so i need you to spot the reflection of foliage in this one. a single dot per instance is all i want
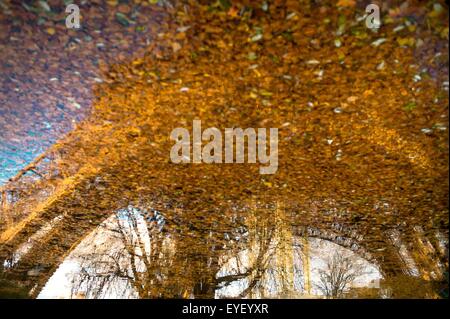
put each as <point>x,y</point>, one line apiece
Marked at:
<point>341,271</point>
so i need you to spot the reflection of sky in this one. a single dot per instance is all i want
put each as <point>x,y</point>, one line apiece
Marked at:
<point>29,131</point>
<point>38,130</point>
<point>13,158</point>
<point>46,81</point>
<point>61,280</point>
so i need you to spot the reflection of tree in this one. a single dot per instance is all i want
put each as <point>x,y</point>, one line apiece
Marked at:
<point>250,253</point>
<point>259,256</point>
<point>100,274</point>
<point>133,259</point>
<point>103,269</point>
<point>160,257</point>
<point>341,271</point>
<point>270,262</point>
<point>147,250</point>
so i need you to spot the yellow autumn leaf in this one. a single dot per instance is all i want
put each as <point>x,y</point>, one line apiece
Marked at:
<point>346,3</point>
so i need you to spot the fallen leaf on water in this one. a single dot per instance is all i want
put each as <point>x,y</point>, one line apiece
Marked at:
<point>122,19</point>
<point>352,99</point>
<point>378,42</point>
<point>44,5</point>
<point>268,184</point>
<point>176,46</point>
<point>410,106</point>
<point>406,41</point>
<point>346,3</point>
<point>256,37</point>
<point>50,31</point>
<point>233,12</point>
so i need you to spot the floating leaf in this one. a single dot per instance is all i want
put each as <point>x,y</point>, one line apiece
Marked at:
<point>346,3</point>
<point>265,6</point>
<point>291,15</point>
<point>50,31</point>
<point>265,93</point>
<point>337,43</point>
<point>406,41</point>
<point>252,56</point>
<point>268,184</point>
<point>256,37</point>
<point>409,106</point>
<point>44,5</point>
<point>342,20</point>
<point>378,42</point>
<point>122,19</point>
<point>140,28</point>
